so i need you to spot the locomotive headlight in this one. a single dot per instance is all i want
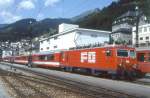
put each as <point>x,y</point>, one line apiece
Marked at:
<point>134,66</point>
<point>127,61</point>
<point>120,64</point>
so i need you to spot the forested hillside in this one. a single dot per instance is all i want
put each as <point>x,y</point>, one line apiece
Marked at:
<point>103,19</point>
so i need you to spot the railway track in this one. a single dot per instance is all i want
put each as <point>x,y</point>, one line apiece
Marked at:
<point>77,87</point>
<point>24,86</point>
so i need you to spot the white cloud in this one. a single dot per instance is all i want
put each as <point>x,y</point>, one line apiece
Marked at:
<point>8,17</point>
<point>26,4</point>
<point>50,2</point>
<point>6,3</point>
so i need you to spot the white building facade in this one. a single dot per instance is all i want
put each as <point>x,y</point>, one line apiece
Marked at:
<point>70,35</point>
<point>143,35</point>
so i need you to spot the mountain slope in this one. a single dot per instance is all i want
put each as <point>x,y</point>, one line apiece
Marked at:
<point>84,14</point>
<point>24,29</point>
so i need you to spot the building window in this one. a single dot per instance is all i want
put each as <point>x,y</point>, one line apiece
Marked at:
<point>48,40</point>
<point>145,29</point>
<point>141,38</point>
<point>55,38</point>
<point>147,38</point>
<point>47,48</point>
<point>93,35</point>
<point>140,30</point>
<point>55,46</point>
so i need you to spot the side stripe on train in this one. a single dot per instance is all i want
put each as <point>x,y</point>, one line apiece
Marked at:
<point>39,63</point>
<point>46,63</point>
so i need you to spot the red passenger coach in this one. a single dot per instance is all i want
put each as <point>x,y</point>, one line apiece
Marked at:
<point>46,59</point>
<point>111,59</point>
<point>21,59</point>
<point>143,57</point>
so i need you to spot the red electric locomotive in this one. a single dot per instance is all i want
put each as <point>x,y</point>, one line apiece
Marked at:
<point>143,58</point>
<point>111,59</point>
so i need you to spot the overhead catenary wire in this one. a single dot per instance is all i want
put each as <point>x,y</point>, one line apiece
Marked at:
<point>77,7</point>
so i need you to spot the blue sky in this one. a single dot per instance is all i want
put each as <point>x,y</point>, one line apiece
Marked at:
<point>13,10</point>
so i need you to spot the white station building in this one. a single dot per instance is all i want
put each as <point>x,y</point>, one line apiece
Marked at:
<point>144,35</point>
<point>70,35</point>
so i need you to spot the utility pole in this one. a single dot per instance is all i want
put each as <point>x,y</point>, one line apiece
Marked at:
<point>137,25</point>
<point>30,43</point>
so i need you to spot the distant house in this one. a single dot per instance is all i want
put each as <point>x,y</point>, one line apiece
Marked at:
<point>6,53</point>
<point>71,35</point>
<point>122,27</point>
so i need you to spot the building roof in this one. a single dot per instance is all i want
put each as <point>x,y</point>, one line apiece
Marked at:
<point>76,29</point>
<point>123,31</point>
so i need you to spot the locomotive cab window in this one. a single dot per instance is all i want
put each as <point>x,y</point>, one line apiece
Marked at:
<point>108,52</point>
<point>122,53</point>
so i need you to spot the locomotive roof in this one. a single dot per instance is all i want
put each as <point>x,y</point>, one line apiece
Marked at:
<point>106,46</point>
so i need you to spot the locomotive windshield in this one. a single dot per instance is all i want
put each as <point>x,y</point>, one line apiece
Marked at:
<point>122,53</point>
<point>132,54</point>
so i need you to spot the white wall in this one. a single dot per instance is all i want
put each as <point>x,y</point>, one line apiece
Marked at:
<point>64,27</point>
<point>87,37</point>
<point>60,42</point>
<point>142,34</point>
<point>74,38</point>
<point>6,53</point>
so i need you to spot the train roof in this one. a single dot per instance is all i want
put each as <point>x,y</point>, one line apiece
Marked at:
<point>143,49</point>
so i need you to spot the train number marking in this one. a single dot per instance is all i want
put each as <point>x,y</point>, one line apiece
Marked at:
<point>89,57</point>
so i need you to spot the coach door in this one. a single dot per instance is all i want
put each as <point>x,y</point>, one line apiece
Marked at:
<point>109,58</point>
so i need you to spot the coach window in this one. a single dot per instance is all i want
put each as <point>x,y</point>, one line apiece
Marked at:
<point>108,52</point>
<point>141,57</point>
<point>42,57</point>
<point>149,57</point>
<point>50,57</point>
